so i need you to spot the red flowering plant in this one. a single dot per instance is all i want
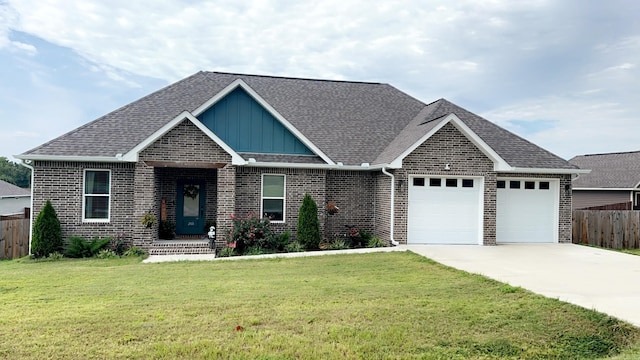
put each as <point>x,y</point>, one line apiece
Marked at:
<point>250,232</point>
<point>357,237</point>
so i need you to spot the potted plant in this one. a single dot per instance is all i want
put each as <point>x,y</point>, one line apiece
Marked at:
<point>332,208</point>
<point>148,220</point>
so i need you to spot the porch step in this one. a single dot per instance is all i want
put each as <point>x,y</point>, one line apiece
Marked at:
<point>180,247</point>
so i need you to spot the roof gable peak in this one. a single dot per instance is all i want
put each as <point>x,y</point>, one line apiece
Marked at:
<point>239,83</point>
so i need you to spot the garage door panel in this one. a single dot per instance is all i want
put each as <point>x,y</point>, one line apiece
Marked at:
<point>444,215</point>
<point>527,215</point>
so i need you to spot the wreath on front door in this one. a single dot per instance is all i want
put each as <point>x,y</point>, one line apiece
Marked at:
<point>191,191</point>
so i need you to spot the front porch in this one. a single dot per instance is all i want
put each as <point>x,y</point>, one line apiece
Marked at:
<point>186,199</point>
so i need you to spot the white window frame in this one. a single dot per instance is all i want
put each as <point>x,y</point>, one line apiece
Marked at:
<point>85,195</point>
<point>283,198</point>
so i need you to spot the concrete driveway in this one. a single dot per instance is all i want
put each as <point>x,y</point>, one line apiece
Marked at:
<point>603,280</point>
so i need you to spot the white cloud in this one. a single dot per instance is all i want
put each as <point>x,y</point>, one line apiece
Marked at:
<point>511,60</point>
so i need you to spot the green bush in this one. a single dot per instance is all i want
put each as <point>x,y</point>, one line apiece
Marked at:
<point>338,244</point>
<point>107,254</point>
<point>251,232</point>
<point>47,233</point>
<point>294,247</point>
<point>308,224</point>
<point>134,251</point>
<point>78,247</point>
<point>358,238</point>
<point>55,256</point>
<point>375,242</point>
<point>281,241</point>
<point>226,252</point>
<point>119,244</point>
<point>167,230</point>
<point>257,250</point>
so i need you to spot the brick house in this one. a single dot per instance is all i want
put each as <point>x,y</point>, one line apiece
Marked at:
<point>217,144</point>
<point>613,183</point>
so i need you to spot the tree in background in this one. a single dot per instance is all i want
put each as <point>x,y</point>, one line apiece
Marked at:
<point>47,233</point>
<point>308,224</point>
<point>14,173</point>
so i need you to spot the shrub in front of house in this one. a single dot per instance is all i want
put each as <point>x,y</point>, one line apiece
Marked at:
<point>78,247</point>
<point>250,232</point>
<point>135,251</point>
<point>47,233</point>
<point>308,224</point>
<point>375,242</point>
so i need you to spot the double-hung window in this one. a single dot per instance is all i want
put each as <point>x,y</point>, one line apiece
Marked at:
<point>96,195</point>
<point>273,197</point>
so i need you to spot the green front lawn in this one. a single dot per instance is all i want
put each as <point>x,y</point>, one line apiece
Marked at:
<point>373,306</point>
<point>632,251</point>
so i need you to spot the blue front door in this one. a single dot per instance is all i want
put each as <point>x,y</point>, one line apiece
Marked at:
<point>190,207</point>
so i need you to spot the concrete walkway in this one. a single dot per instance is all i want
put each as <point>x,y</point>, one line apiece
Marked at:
<point>604,280</point>
<point>211,257</point>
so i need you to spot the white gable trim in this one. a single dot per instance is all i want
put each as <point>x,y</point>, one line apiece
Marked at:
<point>499,164</point>
<point>239,83</point>
<point>132,155</point>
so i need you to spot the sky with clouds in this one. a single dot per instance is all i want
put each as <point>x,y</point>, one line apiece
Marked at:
<point>562,74</point>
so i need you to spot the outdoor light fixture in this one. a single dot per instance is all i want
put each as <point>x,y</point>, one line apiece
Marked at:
<point>447,167</point>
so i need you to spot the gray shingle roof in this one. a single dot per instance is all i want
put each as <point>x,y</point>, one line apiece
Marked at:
<point>7,189</point>
<point>351,122</point>
<point>612,170</point>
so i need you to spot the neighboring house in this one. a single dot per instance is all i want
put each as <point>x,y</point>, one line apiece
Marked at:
<point>614,179</point>
<point>215,145</point>
<point>13,199</point>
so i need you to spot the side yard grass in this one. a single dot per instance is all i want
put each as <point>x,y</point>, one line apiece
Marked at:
<point>372,306</point>
<point>632,251</point>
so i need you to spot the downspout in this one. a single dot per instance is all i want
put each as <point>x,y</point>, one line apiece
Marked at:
<point>25,164</point>
<point>393,203</point>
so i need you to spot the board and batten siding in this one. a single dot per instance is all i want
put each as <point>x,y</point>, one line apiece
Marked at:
<point>246,126</point>
<point>589,198</point>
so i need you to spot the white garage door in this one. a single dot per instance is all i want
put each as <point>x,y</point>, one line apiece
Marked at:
<point>527,211</point>
<point>445,210</point>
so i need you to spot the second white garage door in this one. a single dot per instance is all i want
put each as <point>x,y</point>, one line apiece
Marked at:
<point>527,210</point>
<point>445,210</point>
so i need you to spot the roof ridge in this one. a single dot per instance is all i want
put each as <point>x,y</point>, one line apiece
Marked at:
<point>437,106</point>
<point>612,153</point>
<point>299,78</point>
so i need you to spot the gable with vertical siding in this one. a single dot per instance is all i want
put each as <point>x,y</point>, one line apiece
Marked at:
<point>246,126</point>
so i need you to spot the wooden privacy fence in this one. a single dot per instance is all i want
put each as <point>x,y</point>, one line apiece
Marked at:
<point>14,238</point>
<point>616,229</point>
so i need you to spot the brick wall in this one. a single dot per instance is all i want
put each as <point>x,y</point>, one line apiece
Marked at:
<point>62,183</point>
<point>298,183</point>
<point>353,192</point>
<point>185,142</point>
<point>446,146</point>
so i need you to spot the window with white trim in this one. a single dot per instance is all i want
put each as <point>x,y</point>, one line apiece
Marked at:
<point>96,195</point>
<point>273,197</point>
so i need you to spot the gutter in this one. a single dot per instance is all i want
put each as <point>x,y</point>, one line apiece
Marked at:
<point>70,158</point>
<point>338,166</point>
<point>26,163</point>
<point>544,171</point>
<point>393,202</point>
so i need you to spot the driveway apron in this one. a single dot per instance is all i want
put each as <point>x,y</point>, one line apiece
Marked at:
<point>604,280</point>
